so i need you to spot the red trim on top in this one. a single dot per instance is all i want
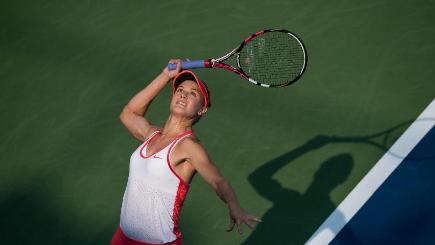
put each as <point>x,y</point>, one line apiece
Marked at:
<point>169,152</point>
<point>178,204</point>
<point>146,143</point>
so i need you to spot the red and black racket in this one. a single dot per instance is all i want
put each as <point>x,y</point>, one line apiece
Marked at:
<point>269,58</point>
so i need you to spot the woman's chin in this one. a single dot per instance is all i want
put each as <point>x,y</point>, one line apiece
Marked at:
<point>180,111</point>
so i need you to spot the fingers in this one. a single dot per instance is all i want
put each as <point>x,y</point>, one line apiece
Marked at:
<point>172,73</point>
<point>239,227</point>
<point>251,218</point>
<point>174,61</point>
<point>239,223</point>
<point>249,225</point>
<point>231,226</point>
<point>254,218</point>
<point>178,63</point>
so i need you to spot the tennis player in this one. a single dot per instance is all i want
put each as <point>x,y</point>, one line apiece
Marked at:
<point>163,166</point>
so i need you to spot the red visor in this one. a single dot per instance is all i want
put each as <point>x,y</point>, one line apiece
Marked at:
<point>189,75</point>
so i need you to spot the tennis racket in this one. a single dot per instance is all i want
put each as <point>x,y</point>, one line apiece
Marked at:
<point>268,58</point>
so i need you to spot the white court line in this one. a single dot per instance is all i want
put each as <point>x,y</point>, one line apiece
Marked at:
<point>374,178</point>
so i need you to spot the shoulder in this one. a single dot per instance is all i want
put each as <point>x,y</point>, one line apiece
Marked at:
<point>191,142</point>
<point>192,147</point>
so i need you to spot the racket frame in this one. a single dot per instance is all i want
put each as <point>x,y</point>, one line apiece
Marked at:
<point>218,62</point>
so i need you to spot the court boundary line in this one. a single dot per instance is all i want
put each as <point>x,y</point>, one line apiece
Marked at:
<point>374,178</point>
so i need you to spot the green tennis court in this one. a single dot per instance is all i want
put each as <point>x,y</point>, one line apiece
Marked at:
<point>67,68</point>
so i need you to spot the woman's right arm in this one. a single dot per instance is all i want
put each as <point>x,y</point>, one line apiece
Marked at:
<point>132,116</point>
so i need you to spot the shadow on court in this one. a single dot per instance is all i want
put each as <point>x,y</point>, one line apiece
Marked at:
<point>295,216</point>
<point>29,217</point>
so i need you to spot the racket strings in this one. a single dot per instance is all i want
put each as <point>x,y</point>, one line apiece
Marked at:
<point>274,58</point>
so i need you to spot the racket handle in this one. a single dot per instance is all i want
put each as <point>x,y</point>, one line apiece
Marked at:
<point>189,64</point>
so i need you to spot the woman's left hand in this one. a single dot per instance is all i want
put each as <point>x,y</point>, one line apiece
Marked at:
<point>238,216</point>
<point>172,73</point>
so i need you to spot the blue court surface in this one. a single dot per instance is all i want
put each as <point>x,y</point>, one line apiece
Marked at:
<point>394,203</point>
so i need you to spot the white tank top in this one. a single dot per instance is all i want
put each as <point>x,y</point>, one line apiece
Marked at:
<point>154,195</point>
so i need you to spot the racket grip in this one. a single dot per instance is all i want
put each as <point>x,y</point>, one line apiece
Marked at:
<point>188,64</point>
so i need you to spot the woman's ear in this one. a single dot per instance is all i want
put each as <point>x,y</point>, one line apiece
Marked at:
<point>202,111</point>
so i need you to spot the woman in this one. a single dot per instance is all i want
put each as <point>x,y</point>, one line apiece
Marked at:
<point>162,167</point>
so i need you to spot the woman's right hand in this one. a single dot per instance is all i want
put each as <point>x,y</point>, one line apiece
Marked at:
<point>170,74</point>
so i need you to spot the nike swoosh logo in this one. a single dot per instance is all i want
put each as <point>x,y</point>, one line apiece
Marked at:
<point>157,157</point>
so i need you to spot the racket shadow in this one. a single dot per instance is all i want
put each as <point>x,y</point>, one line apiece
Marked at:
<point>385,139</point>
<point>294,216</point>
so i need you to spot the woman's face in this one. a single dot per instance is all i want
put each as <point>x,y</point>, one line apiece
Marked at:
<point>188,100</point>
